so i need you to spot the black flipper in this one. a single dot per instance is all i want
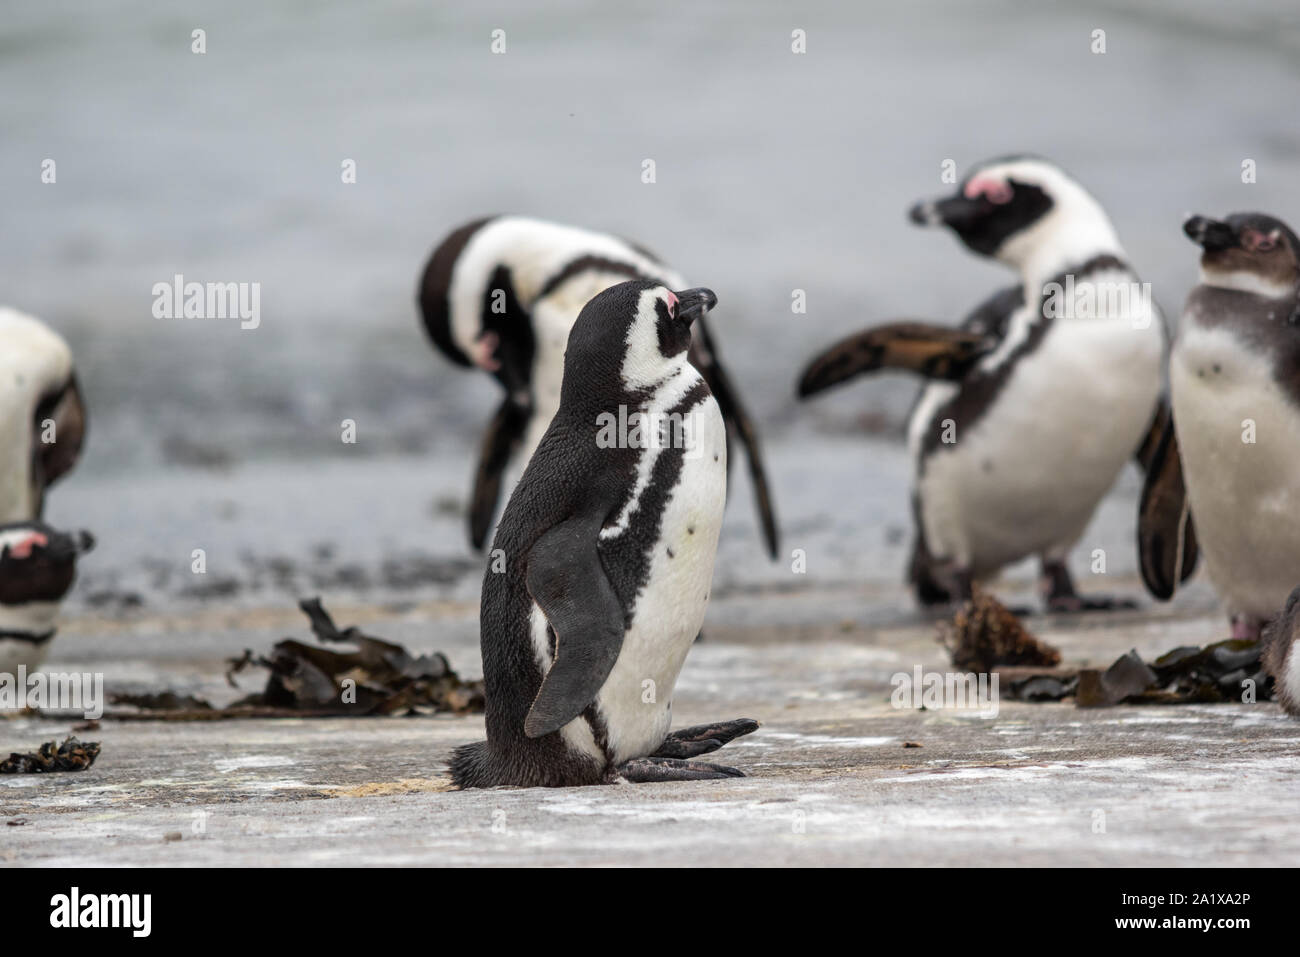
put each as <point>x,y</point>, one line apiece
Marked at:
<point>1146,452</point>
<point>568,582</point>
<point>1167,549</point>
<point>704,357</point>
<point>934,351</point>
<point>503,436</point>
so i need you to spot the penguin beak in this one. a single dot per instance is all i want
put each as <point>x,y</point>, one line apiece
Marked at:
<point>66,545</point>
<point>956,212</point>
<point>693,303</point>
<point>1210,234</point>
<point>46,543</point>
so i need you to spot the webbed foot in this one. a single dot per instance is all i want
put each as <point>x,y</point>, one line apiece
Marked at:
<point>649,770</point>
<point>703,738</point>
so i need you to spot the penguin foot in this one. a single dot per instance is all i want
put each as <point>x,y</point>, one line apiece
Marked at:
<point>1059,595</point>
<point>1077,603</point>
<point>703,738</point>
<point>650,770</point>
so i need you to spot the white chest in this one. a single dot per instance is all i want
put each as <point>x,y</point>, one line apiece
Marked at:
<point>636,700</point>
<point>1239,437</point>
<point>1027,475</point>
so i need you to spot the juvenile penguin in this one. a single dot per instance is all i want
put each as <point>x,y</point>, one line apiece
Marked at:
<point>1225,478</point>
<point>1035,403</point>
<point>502,293</point>
<point>608,543</point>
<point>1281,646</point>
<point>42,417</point>
<point>37,567</point>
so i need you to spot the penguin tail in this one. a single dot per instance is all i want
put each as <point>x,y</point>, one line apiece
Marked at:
<point>470,766</point>
<point>928,349</point>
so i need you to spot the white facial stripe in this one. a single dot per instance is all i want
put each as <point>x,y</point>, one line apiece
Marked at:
<point>1073,231</point>
<point>644,366</point>
<point>1050,178</point>
<point>534,251</point>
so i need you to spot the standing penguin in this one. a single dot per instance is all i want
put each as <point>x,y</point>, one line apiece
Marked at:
<point>1035,403</point>
<point>1224,480</point>
<point>608,544</point>
<point>502,294</point>
<point>42,418</point>
<point>37,567</point>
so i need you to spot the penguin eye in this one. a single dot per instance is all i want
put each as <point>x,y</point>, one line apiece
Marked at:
<point>1257,242</point>
<point>672,305</point>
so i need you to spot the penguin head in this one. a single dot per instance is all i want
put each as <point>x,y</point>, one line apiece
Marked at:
<point>38,563</point>
<point>1011,209</point>
<point>1250,252</point>
<point>639,330</point>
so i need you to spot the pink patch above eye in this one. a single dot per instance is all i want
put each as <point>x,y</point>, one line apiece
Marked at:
<point>672,303</point>
<point>23,547</point>
<point>995,190</point>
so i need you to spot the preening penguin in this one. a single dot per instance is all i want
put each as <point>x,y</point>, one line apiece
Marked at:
<point>608,542</point>
<point>502,293</point>
<point>42,417</point>
<point>1225,478</point>
<point>42,427</point>
<point>1035,403</point>
<point>37,567</point>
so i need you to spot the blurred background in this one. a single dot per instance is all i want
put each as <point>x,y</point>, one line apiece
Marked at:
<point>775,172</point>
